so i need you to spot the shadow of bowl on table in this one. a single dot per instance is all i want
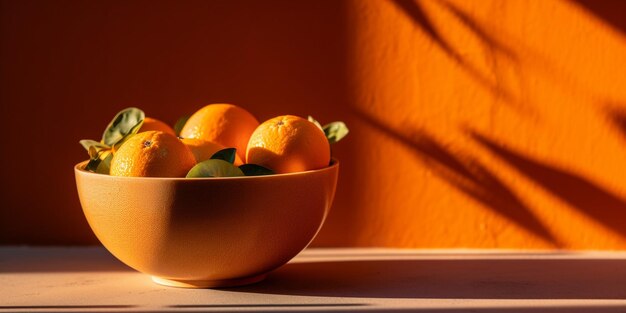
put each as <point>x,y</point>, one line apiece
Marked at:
<point>450,279</point>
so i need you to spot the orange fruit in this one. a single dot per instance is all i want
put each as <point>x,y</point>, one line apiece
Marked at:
<point>203,150</point>
<point>152,154</point>
<point>225,124</point>
<point>288,144</point>
<point>154,124</point>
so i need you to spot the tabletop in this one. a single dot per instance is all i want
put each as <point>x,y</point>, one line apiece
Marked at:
<point>89,279</point>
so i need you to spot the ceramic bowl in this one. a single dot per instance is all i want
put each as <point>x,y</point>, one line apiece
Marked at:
<point>206,232</point>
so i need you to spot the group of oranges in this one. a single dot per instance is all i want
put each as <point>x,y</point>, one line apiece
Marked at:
<point>217,140</point>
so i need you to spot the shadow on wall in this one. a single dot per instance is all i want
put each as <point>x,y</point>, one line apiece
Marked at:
<point>468,175</point>
<point>475,179</point>
<point>605,10</point>
<point>419,17</point>
<point>579,192</point>
<point>619,119</point>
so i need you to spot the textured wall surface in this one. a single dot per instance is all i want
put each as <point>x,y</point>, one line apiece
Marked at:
<point>492,124</point>
<point>488,124</point>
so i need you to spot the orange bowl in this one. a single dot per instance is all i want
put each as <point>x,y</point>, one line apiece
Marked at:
<point>206,232</point>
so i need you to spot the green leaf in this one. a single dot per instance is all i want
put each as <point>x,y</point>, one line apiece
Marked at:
<point>335,131</point>
<point>314,121</point>
<point>133,131</point>
<point>214,168</point>
<point>101,163</point>
<point>121,125</point>
<point>178,127</point>
<point>227,155</point>
<point>105,164</point>
<point>94,151</point>
<point>87,143</point>
<point>255,170</point>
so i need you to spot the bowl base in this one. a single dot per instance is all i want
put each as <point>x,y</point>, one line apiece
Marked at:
<point>209,283</point>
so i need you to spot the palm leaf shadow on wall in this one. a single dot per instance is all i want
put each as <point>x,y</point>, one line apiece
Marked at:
<point>468,175</point>
<point>619,119</point>
<point>579,192</point>
<point>418,16</point>
<point>606,11</point>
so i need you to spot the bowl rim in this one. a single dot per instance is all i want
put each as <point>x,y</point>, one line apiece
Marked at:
<point>79,168</point>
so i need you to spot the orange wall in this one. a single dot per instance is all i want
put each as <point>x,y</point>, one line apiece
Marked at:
<point>487,124</point>
<point>492,124</point>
